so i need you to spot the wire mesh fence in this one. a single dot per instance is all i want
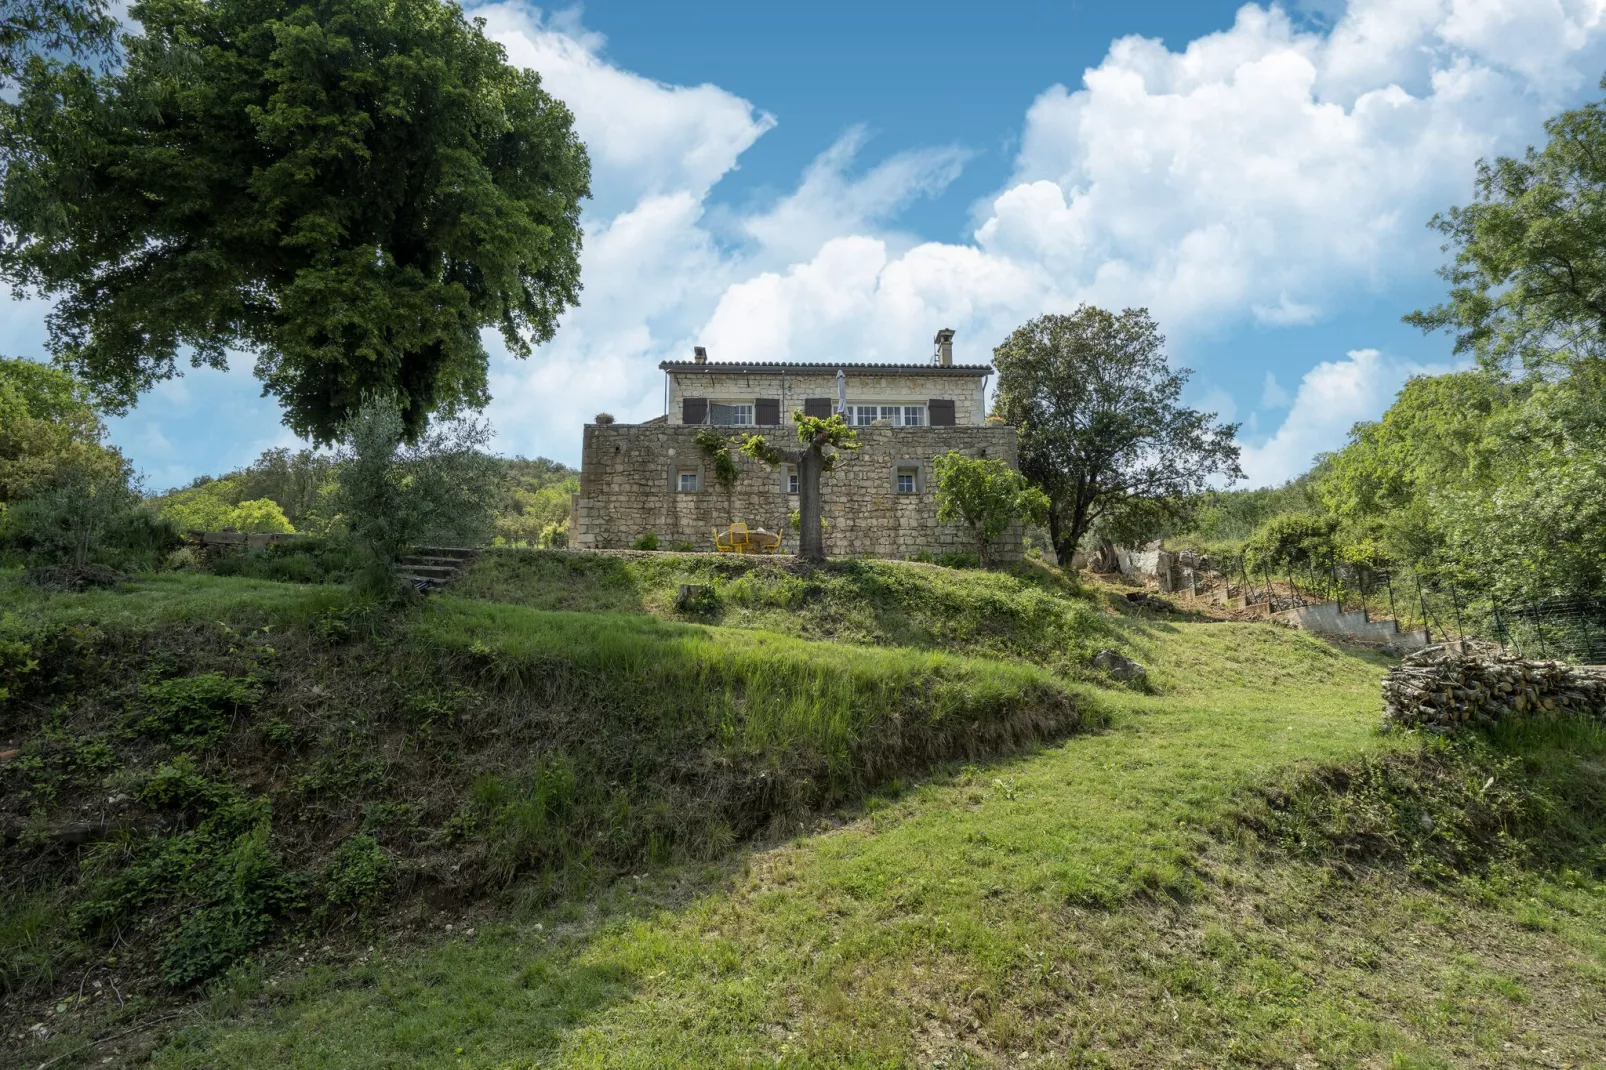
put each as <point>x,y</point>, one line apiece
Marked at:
<point>1565,627</point>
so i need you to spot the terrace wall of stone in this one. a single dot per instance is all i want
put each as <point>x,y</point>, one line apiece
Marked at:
<point>630,480</point>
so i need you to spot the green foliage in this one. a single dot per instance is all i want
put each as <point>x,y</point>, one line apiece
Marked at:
<point>987,496</point>
<point>395,495</point>
<point>1530,253</point>
<point>48,431</point>
<point>296,561</point>
<point>221,882</point>
<point>1292,540</point>
<point>537,509</point>
<point>350,190</point>
<point>215,505</point>
<point>194,711</point>
<point>1101,424</point>
<point>716,448</point>
<point>34,30</point>
<point>17,656</point>
<point>357,874</point>
<point>89,516</point>
<point>648,541</point>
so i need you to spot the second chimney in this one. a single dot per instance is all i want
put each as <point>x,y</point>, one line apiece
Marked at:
<point>700,354</point>
<point>944,356</point>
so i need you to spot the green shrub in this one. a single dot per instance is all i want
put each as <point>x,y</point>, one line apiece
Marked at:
<point>648,541</point>
<point>357,874</point>
<point>194,711</point>
<point>684,546</point>
<point>242,891</point>
<point>295,561</point>
<point>212,892</point>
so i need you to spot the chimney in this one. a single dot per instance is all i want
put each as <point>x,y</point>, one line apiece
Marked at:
<point>700,354</point>
<point>944,356</point>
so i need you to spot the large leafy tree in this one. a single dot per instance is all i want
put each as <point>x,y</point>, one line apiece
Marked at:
<point>1102,427</point>
<point>1528,278</point>
<point>41,31</point>
<point>349,189</point>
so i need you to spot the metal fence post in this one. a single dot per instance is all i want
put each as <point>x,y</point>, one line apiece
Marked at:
<point>1388,579</point>
<point>1422,606</point>
<point>1500,628</point>
<point>1455,603</point>
<point>1539,634</point>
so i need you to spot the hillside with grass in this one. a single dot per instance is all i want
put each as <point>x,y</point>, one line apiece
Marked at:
<point>868,814</point>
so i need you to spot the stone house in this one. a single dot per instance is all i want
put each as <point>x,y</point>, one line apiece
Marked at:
<point>653,477</point>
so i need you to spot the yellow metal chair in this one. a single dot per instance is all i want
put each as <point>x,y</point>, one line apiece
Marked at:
<point>739,538</point>
<point>768,543</point>
<point>722,542</point>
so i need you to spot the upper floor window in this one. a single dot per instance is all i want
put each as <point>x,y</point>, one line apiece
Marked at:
<point>736,414</point>
<point>888,415</point>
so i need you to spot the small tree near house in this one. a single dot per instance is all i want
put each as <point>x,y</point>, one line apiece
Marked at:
<point>812,461</point>
<point>987,496</point>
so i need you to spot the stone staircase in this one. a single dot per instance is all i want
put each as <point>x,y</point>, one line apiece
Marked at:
<point>434,567</point>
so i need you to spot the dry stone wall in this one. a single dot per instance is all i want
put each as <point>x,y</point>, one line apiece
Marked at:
<point>629,479</point>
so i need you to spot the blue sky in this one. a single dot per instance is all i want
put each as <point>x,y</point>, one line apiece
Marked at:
<point>838,180</point>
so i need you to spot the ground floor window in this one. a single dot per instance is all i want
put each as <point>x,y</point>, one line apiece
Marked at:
<point>908,481</point>
<point>789,473</point>
<point>687,480</point>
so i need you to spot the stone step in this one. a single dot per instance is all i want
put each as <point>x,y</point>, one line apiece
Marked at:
<point>421,559</point>
<point>459,553</point>
<point>422,583</point>
<point>434,572</point>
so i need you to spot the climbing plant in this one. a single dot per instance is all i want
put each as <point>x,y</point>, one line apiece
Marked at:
<point>718,452</point>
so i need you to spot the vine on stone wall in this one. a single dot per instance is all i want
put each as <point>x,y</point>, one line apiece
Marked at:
<point>717,450</point>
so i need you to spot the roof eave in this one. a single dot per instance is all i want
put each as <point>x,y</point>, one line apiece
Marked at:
<point>735,368</point>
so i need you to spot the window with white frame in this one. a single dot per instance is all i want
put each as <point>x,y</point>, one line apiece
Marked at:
<point>686,480</point>
<point>790,472</point>
<point>865,414</point>
<point>908,480</point>
<point>731,413</point>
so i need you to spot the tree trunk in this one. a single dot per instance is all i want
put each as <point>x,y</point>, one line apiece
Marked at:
<point>1056,538</point>
<point>811,541</point>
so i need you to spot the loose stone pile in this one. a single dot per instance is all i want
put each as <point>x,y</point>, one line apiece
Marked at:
<point>1443,688</point>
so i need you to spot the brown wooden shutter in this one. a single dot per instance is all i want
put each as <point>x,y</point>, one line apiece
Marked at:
<point>693,410</point>
<point>767,411</point>
<point>818,407</point>
<point>941,411</point>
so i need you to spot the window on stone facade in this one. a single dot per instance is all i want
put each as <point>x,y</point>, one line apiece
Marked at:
<point>913,416</point>
<point>907,480</point>
<point>791,479</point>
<point>686,480</point>
<point>735,414</point>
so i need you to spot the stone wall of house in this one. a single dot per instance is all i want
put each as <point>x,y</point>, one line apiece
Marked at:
<point>965,390</point>
<point>629,474</point>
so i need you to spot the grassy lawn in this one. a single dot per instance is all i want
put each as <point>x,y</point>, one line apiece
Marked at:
<point>1031,614</point>
<point>1094,903</point>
